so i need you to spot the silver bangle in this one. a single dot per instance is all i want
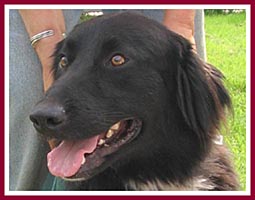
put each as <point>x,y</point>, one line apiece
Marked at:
<point>34,39</point>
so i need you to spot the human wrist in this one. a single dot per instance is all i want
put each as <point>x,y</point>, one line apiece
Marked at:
<point>47,45</point>
<point>45,49</point>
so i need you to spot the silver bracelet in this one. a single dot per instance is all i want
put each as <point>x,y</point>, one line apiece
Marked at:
<point>34,39</point>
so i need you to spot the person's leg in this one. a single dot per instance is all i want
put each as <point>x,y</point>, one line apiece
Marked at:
<point>27,162</point>
<point>200,34</point>
<point>26,149</point>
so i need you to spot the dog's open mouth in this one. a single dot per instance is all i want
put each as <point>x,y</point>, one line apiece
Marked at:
<point>79,160</point>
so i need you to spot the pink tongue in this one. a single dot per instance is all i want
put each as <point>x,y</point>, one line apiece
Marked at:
<point>66,159</point>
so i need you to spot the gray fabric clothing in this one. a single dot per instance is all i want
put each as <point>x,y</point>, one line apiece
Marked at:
<point>200,34</point>
<point>27,162</point>
<point>153,14</point>
<point>27,150</point>
<point>199,25</point>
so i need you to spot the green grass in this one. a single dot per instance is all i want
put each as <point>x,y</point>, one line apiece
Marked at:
<point>226,49</point>
<point>85,17</point>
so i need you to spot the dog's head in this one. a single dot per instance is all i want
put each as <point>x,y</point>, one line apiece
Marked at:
<point>131,95</point>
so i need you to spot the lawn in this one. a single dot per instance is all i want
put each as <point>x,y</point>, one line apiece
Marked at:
<point>226,49</point>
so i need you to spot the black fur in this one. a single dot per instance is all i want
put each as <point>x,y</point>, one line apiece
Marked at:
<point>180,99</point>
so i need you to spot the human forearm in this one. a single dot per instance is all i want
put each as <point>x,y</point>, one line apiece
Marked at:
<point>37,21</point>
<point>181,21</point>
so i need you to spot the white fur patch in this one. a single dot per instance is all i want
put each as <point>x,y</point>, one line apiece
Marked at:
<point>197,184</point>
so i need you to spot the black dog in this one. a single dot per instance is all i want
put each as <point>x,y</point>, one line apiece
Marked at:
<point>134,108</point>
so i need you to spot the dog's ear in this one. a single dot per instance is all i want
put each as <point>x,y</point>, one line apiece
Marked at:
<point>201,95</point>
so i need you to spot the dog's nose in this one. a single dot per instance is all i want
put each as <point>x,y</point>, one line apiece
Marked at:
<point>48,116</point>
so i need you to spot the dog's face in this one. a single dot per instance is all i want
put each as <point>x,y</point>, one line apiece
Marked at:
<point>128,94</point>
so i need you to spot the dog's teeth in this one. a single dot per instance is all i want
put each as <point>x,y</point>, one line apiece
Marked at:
<point>100,142</point>
<point>109,133</point>
<point>83,160</point>
<point>116,126</point>
<point>106,145</point>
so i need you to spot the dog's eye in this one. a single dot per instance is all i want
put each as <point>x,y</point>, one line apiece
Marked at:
<point>118,60</point>
<point>63,63</point>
